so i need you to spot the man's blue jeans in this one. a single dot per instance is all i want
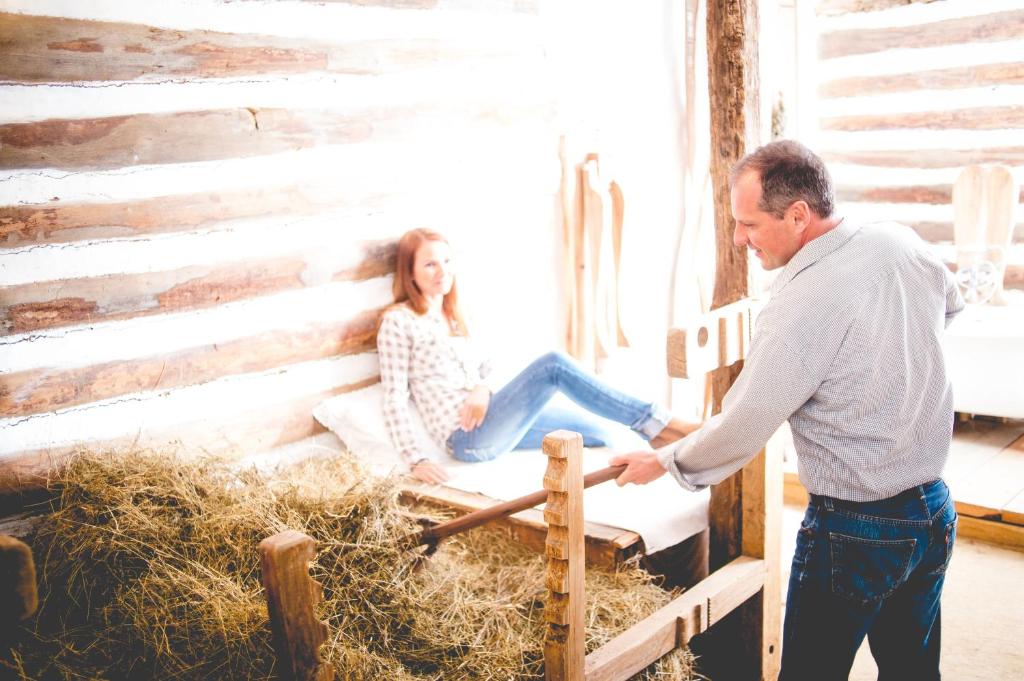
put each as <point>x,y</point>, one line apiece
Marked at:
<point>871,569</point>
<point>518,416</point>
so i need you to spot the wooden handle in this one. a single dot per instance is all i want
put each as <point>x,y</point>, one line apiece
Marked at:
<point>477,518</point>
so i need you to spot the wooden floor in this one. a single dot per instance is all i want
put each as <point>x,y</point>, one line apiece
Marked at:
<point>985,472</point>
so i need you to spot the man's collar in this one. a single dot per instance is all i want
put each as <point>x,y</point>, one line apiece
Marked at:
<point>813,251</point>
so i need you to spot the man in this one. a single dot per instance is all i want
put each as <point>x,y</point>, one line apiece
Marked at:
<point>847,350</point>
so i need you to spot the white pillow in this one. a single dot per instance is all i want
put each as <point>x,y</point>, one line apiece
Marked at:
<point>357,418</point>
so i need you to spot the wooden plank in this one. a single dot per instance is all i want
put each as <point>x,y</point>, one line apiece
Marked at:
<point>42,390</point>
<point>54,304</point>
<point>120,141</point>
<point>977,29</point>
<point>927,158</point>
<point>1013,511</point>
<point>565,606</point>
<point>61,222</point>
<point>674,624</point>
<point>292,598</point>
<point>976,118</point>
<point>1005,534</point>
<point>718,339</point>
<point>959,77</point>
<point>834,7</point>
<point>992,485</point>
<point>39,49</point>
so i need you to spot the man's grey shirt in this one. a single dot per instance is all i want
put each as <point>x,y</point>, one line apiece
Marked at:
<point>847,349</point>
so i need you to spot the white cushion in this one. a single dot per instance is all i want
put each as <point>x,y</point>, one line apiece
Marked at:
<point>357,418</point>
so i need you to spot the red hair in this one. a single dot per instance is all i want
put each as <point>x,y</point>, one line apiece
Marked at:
<point>404,286</point>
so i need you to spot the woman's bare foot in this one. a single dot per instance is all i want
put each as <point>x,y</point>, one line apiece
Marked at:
<point>676,429</point>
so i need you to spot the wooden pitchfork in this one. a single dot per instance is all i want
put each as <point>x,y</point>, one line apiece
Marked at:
<point>431,535</point>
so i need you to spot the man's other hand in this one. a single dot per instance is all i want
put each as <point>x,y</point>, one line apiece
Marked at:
<point>641,468</point>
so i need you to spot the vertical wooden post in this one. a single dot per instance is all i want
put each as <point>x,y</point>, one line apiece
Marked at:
<point>291,598</point>
<point>564,651</point>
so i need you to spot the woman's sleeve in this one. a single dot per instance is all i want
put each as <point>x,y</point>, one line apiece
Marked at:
<point>394,348</point>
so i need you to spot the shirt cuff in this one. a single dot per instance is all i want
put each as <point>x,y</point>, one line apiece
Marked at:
<point>672,452</point>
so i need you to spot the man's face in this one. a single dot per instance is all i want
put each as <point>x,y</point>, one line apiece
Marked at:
<point>774,240</point>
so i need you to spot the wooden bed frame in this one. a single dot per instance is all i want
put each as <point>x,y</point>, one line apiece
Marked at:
<point>741,598</point>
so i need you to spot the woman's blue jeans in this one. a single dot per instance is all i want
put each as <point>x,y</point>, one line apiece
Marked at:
<point>518,416</point>
<point>871,569</point>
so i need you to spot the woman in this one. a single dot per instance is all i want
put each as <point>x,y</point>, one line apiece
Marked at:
<point>426,353</point>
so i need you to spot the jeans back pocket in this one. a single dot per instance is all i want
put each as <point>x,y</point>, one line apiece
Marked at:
<point>868,570</point>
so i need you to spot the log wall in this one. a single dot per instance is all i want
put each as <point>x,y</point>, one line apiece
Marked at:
<point>910,92</point>
<point>199,200</point>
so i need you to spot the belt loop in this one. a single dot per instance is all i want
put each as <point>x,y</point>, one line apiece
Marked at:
<point>828,503</point>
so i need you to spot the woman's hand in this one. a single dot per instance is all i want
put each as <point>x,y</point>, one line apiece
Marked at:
<point>474,409</point>
<point>429,472</point>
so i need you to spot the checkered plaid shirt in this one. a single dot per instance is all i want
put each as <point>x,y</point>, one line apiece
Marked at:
<point>420,359</point>
<point>848,350</point>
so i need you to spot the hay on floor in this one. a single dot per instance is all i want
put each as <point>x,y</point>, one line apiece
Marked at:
<point>148,569</point>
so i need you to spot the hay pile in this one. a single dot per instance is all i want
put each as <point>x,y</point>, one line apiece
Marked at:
<point>148,569</point>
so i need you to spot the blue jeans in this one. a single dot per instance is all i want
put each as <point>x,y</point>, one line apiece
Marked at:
<point>518,416</point>
<point>871,569</point>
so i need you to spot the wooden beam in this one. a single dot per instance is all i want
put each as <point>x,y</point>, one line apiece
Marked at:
<point>976,29</point>
<point>565,606</point>
<point>143,139</point>
<point>958,77</point>
<point>54,304</point>
<point>62,222</point>
<point>43,390</point>
<point>927,158</point>
<point>50,49</point>
<point>834,7</point>
<point>675,624</point>
<point>292,597</point>
<point>977,118</point>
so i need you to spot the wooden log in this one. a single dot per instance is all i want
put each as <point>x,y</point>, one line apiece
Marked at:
<point>292,597</point>
<point>54,304</point>
<point>19,598</point>
<point>993,27</point>
<point>927,158</point>
<point>939,194</point>
<point>23,473</point>
<point>977,118</point>
<point>143,139</point>
<point>61,222</point>
<point>834,7</point>
<point>565,606</point>
<point>51,49</point>
<point>43,390</point>
<point>675,624</point>
<point>958,77</point>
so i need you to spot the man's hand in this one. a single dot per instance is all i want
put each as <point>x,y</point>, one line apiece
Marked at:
<point>474,409</point>
<point>429,472</point>
<point>641,468</point>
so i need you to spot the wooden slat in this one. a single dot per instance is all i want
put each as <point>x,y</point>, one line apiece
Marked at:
<point>61,222</point>
<point>51,49</point>
<point>1013,511</point>
<point>978,118</point>
<point>119,141</point>
<point>43,390</point>
<point>927,158</point>
<point>979,75</point>
<point>834,7</point>
<point>674,624</point>
<point>978,29</point>
<point>54,304</point>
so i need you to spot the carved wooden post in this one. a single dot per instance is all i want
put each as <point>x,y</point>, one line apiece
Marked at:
<point>291,597</point>
<point>563,641</point>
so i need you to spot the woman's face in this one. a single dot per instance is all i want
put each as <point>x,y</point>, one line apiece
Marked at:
<point>432,269</point>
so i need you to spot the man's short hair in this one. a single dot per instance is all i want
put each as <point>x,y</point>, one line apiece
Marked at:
<point>789,172</point>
